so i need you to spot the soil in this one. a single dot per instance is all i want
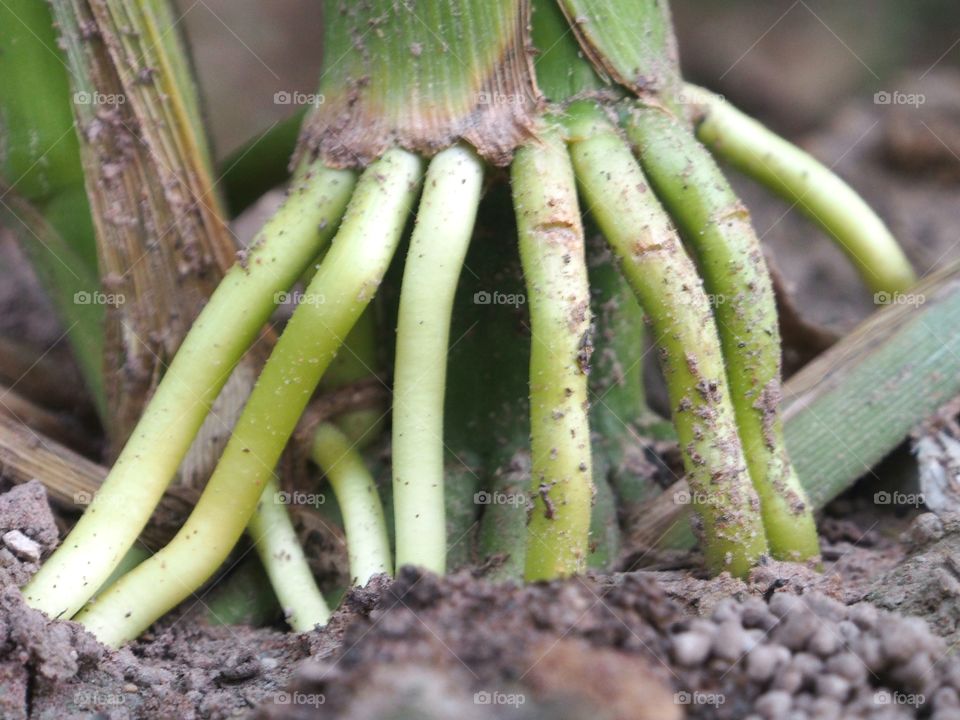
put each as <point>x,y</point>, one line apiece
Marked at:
<point>642,644</point>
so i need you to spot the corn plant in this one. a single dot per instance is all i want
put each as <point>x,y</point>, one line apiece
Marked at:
<point>431,107</point>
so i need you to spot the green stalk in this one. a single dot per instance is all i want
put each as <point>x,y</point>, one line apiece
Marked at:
<point>368,546</point>
<point>554,266</point>
<point>667,287</point>
<point>344,285</point>
<point>221,334</point>
<point>798,178</point>
<point>434,261</point>
<point>278,546</point>
<point>716,225</point>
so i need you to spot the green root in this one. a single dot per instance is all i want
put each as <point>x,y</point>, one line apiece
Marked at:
<point>368,547</point>
<point>669,290</point>
<point>243,303</point>
<point>554,265</point>
<point>434,261</point>
<point>716,226</point>
<point>276,542</point>
<point>800,179</point>
<point>344,285</point>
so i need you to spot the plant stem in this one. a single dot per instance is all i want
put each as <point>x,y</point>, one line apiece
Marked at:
<point>668,289</point>
<point>221,334</point>
<point>555,268</point>
<point>368,546</point>
<point>278,546</point>
<point>800,179</point>
<point>716,225</point>
<point>434,261</point>
<point>344,285</point>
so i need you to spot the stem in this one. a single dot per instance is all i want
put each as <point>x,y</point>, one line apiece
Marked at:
<point>668,289</point>
<point>241,305</point>
<point>344,285</point>
<point>422,76</point>
<point>554,266</point>
<point>368,546</point>
<point>715,224</point>
<point>800,179</point>
<point>278,546</point>
<point>434,261</point>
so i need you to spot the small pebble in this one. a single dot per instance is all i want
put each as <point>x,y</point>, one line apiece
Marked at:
<point>833,686</point>
<point>946,697</point>
<point>796,629</point>
<point>864,615</point>
<point>22,546</point>
<point>730,641</point>
<point>847,665</point>
<point>784,603</point>
<point>825,641</point>
<point>691,648</point>
<point>774,704</point>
